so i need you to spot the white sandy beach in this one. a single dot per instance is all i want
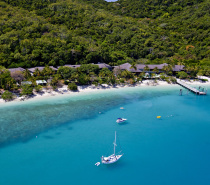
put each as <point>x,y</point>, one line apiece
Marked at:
<point>89,89</point>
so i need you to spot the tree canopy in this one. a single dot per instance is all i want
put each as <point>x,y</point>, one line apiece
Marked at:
<point>56,32</point>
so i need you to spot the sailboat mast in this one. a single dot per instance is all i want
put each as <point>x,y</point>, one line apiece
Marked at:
<point>114,142</point>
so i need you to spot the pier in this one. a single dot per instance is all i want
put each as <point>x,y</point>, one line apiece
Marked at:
<point>192,89</point>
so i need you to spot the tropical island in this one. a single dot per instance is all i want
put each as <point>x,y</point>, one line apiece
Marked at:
<point>95,42</point>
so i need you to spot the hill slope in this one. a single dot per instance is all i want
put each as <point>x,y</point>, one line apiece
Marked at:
<point>60,32</point>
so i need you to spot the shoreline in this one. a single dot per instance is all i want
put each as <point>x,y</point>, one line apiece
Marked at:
<point>87,89</point>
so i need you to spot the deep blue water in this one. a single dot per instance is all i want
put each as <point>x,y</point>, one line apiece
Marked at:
<point>74,132</point>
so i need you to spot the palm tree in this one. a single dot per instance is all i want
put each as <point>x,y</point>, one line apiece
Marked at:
<point>127,74</point>
<point>47,72</point>
<point>169,69</point>
<point>181,62</point>
<point>37,72</point>
<point>156,70</point>
<point>133,66</point>
<point>146,68</point>
<point>166,69</point>
<point>33,80</point>
<point>187,68</point>
<point>27,74</point>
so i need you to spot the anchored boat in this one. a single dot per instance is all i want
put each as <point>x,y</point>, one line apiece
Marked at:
<point>112,158</point>
<point>120,120</point>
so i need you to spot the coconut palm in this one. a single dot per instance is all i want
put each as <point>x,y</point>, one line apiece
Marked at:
<point>27,74</point>
<point>156,70</point>
<point>146,69</point>
<point>47,72</point>
<point>180,63</point>
<point>37,72</point>
<point>167,68</point>
<point>127,74</point>
<point>133,66</point>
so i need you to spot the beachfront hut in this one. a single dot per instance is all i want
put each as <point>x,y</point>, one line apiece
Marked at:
<point>122,67</point>
<point>140,67</point>
<point>72,66</point>
<point>12,70</point>
<point>40,68</point>
<point>26,83</point>
<point>103,65</point>
<point>41,82</point>
<point>117,69</point>
<point>178,68</point>
<point>32,70</point>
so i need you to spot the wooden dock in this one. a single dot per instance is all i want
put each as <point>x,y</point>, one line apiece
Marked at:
<point>192,89</point>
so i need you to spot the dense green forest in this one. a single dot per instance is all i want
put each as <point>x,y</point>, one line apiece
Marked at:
<point>58,32</point>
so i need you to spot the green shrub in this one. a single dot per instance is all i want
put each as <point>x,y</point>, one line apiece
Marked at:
<point>7,96</point>
<point>26,90</point>
<point>162,76</point>
<point>182,75</point>
<point>122,80</point>
<point>38,88</point>
<point>72,87</point>
<point>173,80</point>
<point>167,80</point>
<point>95,83</point>
<point>204,80</point>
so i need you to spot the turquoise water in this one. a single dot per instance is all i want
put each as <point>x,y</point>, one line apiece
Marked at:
<point>58,140</point>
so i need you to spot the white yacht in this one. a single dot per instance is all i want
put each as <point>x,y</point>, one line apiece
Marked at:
<point>112,158</point>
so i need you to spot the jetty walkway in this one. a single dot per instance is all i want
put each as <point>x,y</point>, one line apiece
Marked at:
<point>192,89</point>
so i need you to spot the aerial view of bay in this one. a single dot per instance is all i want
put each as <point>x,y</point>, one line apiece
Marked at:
<point>59,139</point>
<point>104,92</point>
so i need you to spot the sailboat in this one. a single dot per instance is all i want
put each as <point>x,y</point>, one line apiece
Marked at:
<point>112,158</point>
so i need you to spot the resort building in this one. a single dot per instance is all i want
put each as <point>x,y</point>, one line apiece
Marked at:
<point>32,70</point>
<point>41,82</point>
<point>12,70</point>
<point>103,65</point>
<point>72,66</point>
<point>26,83</point>
<point>139,68</point>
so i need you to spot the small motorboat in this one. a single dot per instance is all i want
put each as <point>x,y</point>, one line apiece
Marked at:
<point>98,163</point>
<point>122,108</point>
<point>120,120</point>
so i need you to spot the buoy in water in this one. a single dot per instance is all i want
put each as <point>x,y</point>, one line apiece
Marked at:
<point>158,116</point>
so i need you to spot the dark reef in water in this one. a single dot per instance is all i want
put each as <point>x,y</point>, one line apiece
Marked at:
<point>22,122</point>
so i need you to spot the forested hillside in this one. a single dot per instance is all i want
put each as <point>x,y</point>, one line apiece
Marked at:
<point>145,8</point>
<point>58,32</point>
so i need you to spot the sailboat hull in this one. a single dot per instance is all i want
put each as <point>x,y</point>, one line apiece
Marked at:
<point>110,159</point>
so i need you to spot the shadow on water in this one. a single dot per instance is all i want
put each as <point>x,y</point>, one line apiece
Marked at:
<point>124,123</point>
<point>117,165</point>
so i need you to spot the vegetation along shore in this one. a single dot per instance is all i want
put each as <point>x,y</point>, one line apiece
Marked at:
<point>94,42</point>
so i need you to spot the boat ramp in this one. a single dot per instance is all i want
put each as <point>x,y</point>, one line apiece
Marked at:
<point>192,89</point>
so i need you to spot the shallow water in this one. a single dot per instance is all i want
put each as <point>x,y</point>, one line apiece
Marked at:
<point>58,140</point>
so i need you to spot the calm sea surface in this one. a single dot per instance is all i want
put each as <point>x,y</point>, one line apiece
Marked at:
<point>58,140</point>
